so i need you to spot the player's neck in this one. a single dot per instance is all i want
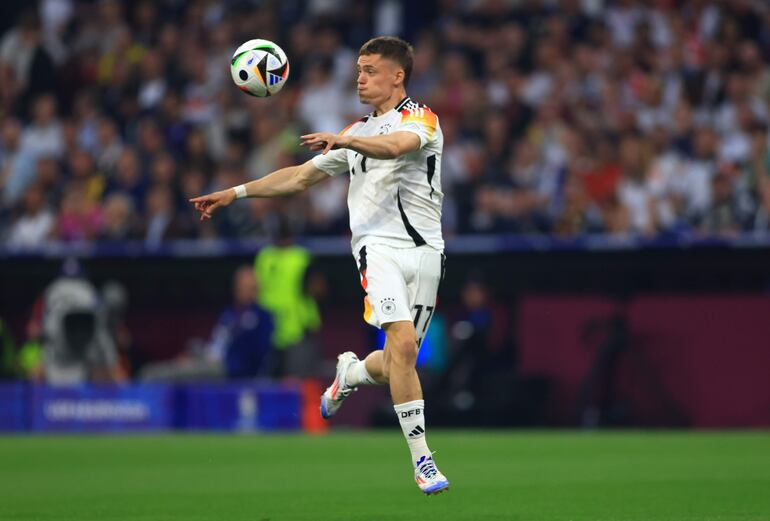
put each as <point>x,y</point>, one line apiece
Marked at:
<point>389,103</point>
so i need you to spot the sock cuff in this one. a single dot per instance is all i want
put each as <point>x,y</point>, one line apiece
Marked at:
<point>414,404</point>
<point>358,375</point>
<point>367,377</point>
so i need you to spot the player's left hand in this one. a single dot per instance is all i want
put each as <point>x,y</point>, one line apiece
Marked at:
<point>323,141</point>
<point>206,204</point>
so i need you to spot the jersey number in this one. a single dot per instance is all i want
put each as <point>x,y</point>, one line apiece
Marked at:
<point>428,310</point>
<point>363,164</point>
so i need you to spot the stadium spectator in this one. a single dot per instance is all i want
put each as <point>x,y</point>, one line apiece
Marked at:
<point>128,179</point>
<point>160,217</point>
<point>322,104</point>
<point>17,167</point>
<point>471,335</point>
<point>637,191</point>
<point>728,214</point>
<point>44,136</point>
<point>290,288</point>
<point>79,219</point>
<point>118,221</point>
<point>27,68</point>
<point>479,360</point>
<point>240,342</point>
<point>36,224</point>
<point>109,145</point>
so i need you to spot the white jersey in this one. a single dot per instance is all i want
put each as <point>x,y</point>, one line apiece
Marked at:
<point>396,202</point>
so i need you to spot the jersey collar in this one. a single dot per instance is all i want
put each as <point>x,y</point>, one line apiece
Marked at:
<point>403,103</point>
<point>398,108</point>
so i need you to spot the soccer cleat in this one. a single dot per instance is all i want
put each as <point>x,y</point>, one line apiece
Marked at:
<point>429,478</point>
<point>332,398</point>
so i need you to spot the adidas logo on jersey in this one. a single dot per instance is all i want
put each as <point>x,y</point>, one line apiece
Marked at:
<point>407,104</point>
<point>416,111</point>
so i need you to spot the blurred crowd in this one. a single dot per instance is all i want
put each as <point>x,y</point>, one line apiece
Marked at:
<point>561,117</point>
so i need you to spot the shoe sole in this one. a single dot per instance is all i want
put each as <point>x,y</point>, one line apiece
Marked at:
<point>437,489</point>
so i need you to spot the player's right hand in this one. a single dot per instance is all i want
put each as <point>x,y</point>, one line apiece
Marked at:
<point>206,204</point>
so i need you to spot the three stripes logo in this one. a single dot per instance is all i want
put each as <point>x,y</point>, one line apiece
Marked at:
<point>416,431</point>
<point>272,79</point>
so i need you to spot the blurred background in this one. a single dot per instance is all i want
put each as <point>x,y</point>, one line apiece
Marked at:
<point>606,173</point>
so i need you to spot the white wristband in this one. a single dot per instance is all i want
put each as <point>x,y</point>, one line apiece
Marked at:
<point>240,191</point>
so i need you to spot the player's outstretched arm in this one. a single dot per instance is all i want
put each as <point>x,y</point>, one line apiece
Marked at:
<point>286,181</point>
<point>377,147</point>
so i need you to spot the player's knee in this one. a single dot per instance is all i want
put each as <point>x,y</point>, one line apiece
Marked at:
<point>401,341</point>
<point>404,351</point>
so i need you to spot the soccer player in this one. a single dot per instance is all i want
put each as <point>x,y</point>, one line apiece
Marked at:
<point>393,157</point>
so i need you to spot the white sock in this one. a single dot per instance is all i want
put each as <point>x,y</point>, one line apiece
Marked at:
<point>358,375</point>
<point>411,415</point>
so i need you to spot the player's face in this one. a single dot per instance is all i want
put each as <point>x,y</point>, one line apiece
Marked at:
<point>378,77</point>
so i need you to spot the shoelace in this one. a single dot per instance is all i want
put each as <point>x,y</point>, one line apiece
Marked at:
<point>428,469</point>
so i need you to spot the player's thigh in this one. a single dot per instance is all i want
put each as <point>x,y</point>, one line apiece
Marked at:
<point>387,297</point>
<point>423,289</point>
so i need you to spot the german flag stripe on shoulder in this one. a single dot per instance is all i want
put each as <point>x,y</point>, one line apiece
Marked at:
<point>421,115</point>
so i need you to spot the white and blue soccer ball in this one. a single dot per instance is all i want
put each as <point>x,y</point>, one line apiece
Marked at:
<point>259,68</point>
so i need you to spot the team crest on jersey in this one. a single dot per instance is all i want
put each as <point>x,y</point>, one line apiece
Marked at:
<point>388,306</point>
<point>385,129</point>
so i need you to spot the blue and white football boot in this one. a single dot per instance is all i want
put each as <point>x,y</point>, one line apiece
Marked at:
<point>332,398</point>
<point>428,477</point>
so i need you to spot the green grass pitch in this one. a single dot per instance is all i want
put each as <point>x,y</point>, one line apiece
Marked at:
<point>615,476</point>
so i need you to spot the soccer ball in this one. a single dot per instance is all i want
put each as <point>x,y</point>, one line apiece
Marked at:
<point>259,68</point>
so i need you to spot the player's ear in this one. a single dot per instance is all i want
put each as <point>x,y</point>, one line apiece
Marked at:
<point>399,77</point>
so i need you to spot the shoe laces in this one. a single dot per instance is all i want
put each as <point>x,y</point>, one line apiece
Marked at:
<point>426,467</point>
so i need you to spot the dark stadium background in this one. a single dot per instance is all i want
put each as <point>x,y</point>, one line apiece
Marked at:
<point>606,311</point>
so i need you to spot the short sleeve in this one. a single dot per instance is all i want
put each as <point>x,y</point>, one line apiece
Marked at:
<point>333,162</point>
<point>422,121</point>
